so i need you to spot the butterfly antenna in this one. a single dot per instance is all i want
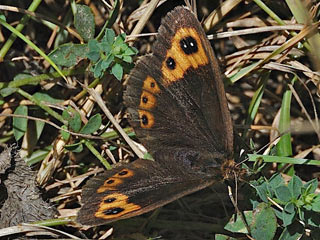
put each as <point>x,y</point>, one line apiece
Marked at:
<point>266,147</point>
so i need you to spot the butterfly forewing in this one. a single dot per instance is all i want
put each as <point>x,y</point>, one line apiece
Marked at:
<point>181,103</point>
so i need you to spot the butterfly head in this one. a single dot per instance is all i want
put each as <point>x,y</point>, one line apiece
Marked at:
<point>231,170</point>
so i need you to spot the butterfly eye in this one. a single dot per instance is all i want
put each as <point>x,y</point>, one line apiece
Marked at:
<point>189,45</point>
<point>171,64</point>
<point>152,84</point>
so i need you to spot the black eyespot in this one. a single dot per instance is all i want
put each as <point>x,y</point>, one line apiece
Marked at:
<point>109,200</point>
<point>144,119</point>
<point>171,64</point>
<point>152,85</point>
<point>123,173</point>
<point>189,45</point>
<point>144,99</point>
<point>110,181</point>
<point>113,211</point>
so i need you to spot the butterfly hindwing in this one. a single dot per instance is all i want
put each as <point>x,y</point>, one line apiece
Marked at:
<point>133,189</point>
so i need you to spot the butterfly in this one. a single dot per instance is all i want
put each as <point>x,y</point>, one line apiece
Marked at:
<point>178,109</point>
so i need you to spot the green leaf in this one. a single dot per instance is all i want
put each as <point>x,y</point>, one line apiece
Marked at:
<point>93,45</point>
<point>5,92</point>
<point>114,135</point>
<point>148,156</point>
<point>3,17</point>
<point>264,222</point>
<point>39,124</point>
<point>84,22</point>
<point>292,232</point>
<point>236,224</point>
<point>316,204</point>
<point>66,114</point>
<point>284,147</point>
<point>37,156</point>
<point>130,51</point>
<point>93,125</point>
<point>75,122</point>
<point>120,40</point>
<point>289,208</point>
<point>109,36</point>
<point>276,180</point>
<point>73,118</point>
<point>76,147</point>
<point>116,51</point>
<point>117,71</point>
<point>295,186</point>
<point>127,59</point>
<point>288,214</point>
<point>41,96</point>
<point>19,123</point>
<point>278,213</point>
<point>283,193</point>
<point>20,76</point>
<point>112,148</point>
<point>65,135</point>
<point>277,159</point>
<point>97,69</point>
<point>93,56</point>
<point>105,47</point>
<point>106,63</point>
<point>223,237</point>
<point>311,186</point>
<point>69,54</point>
<point>262,191</point>
<point>94,51</point>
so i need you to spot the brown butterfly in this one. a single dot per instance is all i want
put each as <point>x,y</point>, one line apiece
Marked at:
<point>179,111</point>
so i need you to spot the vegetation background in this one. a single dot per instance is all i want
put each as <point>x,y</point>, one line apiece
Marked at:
<point>269,53</point>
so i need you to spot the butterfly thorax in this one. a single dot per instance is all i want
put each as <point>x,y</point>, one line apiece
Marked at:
<point>194,163</point>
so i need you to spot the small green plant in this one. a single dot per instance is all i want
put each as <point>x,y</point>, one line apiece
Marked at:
<point>296,202</point>
<point>112,54</point>
<point>285,211</point>
<point>74,123</point>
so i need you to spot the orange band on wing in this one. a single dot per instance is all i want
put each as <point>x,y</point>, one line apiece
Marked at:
<point>114,206</point>
<point>178,60</point>
<point>151,85</point>
<point>114,181</point>
<point>146,119</point>
<point>110,184</point>
<point>147,100</point>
